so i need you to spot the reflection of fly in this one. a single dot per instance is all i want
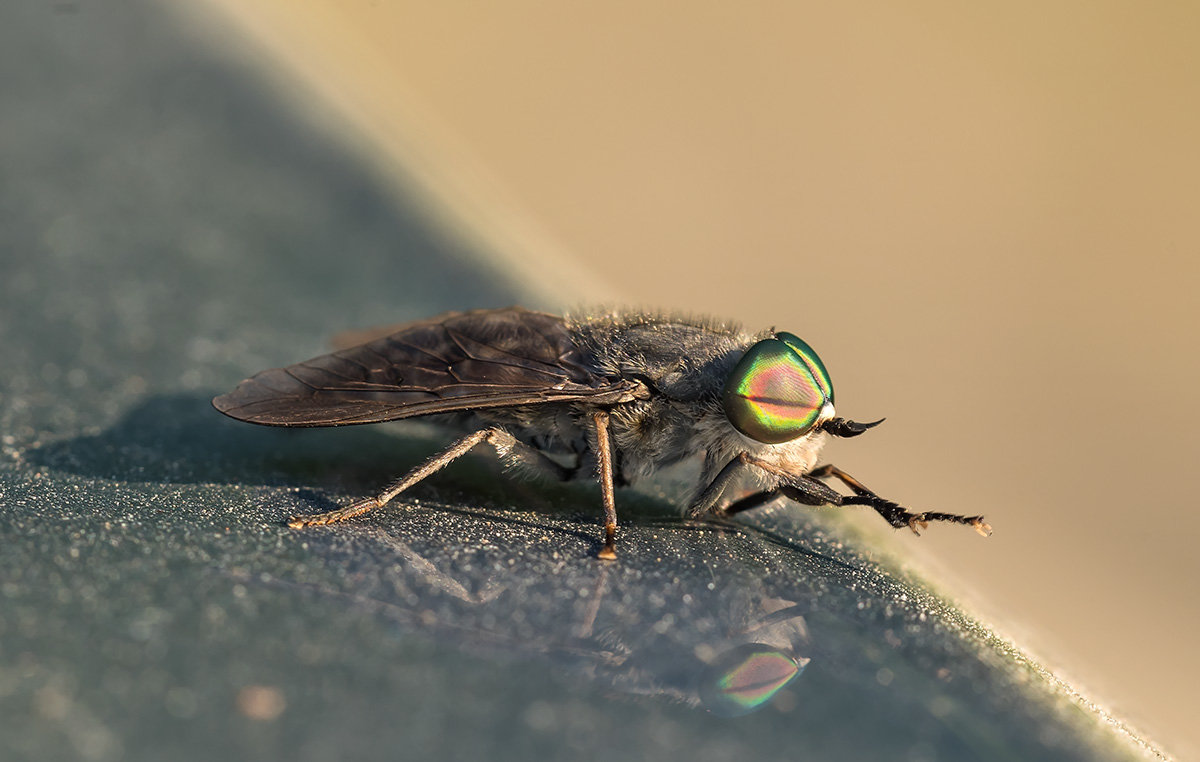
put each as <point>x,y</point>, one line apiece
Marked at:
<point>616,394</point>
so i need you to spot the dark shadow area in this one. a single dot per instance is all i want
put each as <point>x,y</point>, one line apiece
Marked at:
<point>181,439</point>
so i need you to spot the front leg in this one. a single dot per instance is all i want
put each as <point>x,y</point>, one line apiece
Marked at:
<point>812,493</point>
<point>710,496</point>
<point>896,515</point>
<point>806,489</point>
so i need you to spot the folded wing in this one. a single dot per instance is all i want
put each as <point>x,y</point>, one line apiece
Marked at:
<point>457,361</point>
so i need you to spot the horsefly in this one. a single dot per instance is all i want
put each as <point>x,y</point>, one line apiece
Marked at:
<point>612,394</point>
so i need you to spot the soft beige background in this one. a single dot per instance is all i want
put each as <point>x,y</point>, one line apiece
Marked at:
<point>983,215</point>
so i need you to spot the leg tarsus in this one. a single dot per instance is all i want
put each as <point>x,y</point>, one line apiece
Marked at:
<point>333,517</point>
<point>899,516</point>
<point>609,551</point>
<point>976,522</point>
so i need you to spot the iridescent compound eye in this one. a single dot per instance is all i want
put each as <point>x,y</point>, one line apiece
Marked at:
<point>778,390</point>
<point>811,359</point>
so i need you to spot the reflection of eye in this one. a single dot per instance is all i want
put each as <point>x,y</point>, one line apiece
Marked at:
<point>778,390</point>
<point>742,679</point>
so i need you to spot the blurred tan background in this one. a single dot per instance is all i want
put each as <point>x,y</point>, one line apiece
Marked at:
<point>984,216</point>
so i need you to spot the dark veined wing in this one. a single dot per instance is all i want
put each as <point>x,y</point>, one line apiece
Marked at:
<point>457,361</point>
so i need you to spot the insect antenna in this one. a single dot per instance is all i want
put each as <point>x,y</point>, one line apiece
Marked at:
<point>840,427</point>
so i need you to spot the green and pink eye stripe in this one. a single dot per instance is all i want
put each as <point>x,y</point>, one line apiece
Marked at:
<point>779,390</point>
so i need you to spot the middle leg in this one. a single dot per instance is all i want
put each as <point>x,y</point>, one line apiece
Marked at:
<point>605,462</point>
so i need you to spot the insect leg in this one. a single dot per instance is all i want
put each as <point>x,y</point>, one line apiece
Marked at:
<point>707,500</point>
<point>811,493</point>
<point>604,456</point>
<point>504,443</point>
<point>752,501</point>
<point>896,515</point>
<point>806,489</point>
<point>826,471</point>
<point>800,489</point>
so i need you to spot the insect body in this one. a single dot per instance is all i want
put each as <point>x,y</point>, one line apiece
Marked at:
<point>618,395</point>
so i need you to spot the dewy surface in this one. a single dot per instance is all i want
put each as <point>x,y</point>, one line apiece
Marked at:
<point>167,227</point>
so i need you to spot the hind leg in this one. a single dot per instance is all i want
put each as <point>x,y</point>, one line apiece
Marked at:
<point>507,446</point>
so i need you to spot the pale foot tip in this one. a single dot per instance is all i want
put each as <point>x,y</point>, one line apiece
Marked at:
<point>915,522</point>
<point>607,553</point>
<point>981,526</point>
